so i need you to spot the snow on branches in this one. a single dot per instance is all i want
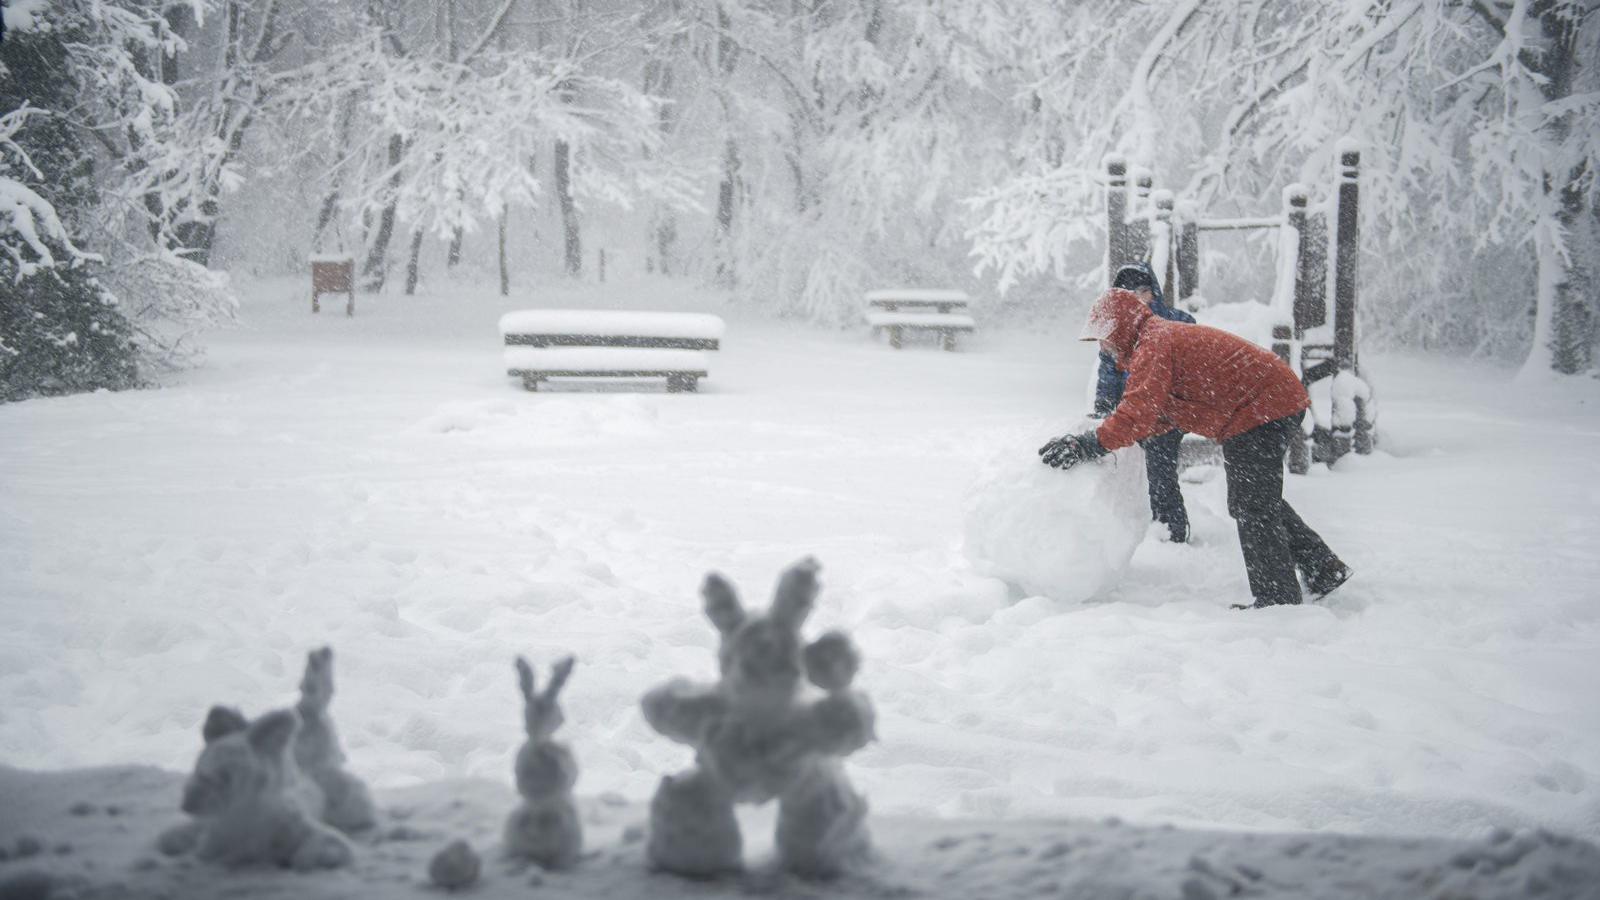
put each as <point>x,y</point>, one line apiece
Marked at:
<point>472,131</point>
<point>1477,122</point>
<point>28,223</point>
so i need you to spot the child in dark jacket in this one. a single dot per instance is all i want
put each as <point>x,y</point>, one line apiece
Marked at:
<point>1160,451</point>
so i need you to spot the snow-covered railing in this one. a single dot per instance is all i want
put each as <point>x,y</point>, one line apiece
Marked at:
<point>1239,224</point>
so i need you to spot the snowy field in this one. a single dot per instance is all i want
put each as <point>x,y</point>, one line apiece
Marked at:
<point>378,484</point>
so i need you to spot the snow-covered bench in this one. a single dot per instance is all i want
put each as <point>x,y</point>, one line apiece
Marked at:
<point>555,343</point>
<point>897,310</point>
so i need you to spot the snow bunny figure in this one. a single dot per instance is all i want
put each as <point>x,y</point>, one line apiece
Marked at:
<point>250,803</point>
<point>545,826</point>
<point>756,740</point>
<point>347,804</point>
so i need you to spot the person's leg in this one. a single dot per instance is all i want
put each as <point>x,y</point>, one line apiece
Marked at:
<point>1253,463</point>
<point>1323,570</point>
<point>1161,470</point>
<point>1311,554</point>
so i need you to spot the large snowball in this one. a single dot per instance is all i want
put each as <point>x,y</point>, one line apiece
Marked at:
<point>1066,535</point>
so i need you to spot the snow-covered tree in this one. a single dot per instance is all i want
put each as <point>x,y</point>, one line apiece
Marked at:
<point>61,330</point>
<point>841,136</point>
<point>1478,119</point>
<point>443,146</point>
<point>114,75</point>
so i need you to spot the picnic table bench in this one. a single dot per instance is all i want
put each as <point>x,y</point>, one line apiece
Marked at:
<point>556,343</point>
<point>897,310</point>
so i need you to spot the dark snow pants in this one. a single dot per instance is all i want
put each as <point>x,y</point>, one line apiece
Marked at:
<point>1161,471</point>
<point>1274,539</point>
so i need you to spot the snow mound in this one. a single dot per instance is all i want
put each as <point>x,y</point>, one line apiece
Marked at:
<point>544,422</point>
<point>62,844</point>
<point>1064,535</point>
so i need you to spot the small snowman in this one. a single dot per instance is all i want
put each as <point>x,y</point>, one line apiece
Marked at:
<point>757,738</point>
<point>249,804</point>
<point>347,804</point>
<point>544,827</point>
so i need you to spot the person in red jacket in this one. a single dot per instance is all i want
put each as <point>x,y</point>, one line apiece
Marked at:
<point>1207,381</point>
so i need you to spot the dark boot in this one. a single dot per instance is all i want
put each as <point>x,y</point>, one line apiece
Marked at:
<point>1326,580</point>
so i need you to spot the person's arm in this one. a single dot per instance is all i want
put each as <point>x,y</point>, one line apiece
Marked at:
<point>1145,399</point>
<point>1108,386</point>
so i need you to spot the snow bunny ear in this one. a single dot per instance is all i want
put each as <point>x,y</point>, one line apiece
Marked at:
<point>541,716</point>
<point>316,686</point>
<point>270,734</point>
<point>722,603</point>
<point>221,722</point>
<point>559,673</point>
<point>525,680</point>
<point>796,594</point>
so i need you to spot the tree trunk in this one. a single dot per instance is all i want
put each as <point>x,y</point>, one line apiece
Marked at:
<point>330,201</point>
<point>658,79</point>
<point>330,204</point>
<point>569,210</point>
<point>1563,334</point>
<point>239,94</point>
<point>453,256</point>
<point>181,22</point>
<point>1573,303</point>
<point>726,195</point>
<point>665,235</point>
<point>376,268</point>
<point>413,263</point>
<point>727,61</point>
<point>505,269</point>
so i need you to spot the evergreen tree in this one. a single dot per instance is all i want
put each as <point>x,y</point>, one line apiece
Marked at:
<point>61,331</point>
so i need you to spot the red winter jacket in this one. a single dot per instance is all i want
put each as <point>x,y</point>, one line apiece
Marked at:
<point>1191,377</point>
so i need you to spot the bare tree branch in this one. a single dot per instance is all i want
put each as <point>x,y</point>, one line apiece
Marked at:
<point>490,32</point>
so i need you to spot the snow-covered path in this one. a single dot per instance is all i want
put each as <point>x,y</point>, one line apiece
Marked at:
<point>379,485</point>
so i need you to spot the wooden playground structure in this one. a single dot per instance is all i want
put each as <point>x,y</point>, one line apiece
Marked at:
<point>1151,226</point>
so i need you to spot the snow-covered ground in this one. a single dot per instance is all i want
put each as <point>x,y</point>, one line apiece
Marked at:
<point>378,484</point>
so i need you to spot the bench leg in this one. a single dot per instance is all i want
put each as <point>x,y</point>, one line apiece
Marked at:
<point>350,305</point>
<point>677,384</point>
<point>316,305</point>
<point>894,336</point>
<point>949,339</point>
<point>531,382</point>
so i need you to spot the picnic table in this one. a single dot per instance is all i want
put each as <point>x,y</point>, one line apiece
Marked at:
<point>570,343</point>
<point>939,311</point>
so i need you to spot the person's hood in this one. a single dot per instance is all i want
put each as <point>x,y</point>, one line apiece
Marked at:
<point>1117,318</point>
<point>1158,302</point>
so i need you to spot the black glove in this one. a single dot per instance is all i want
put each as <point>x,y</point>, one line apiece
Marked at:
<point>1070,449</point>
